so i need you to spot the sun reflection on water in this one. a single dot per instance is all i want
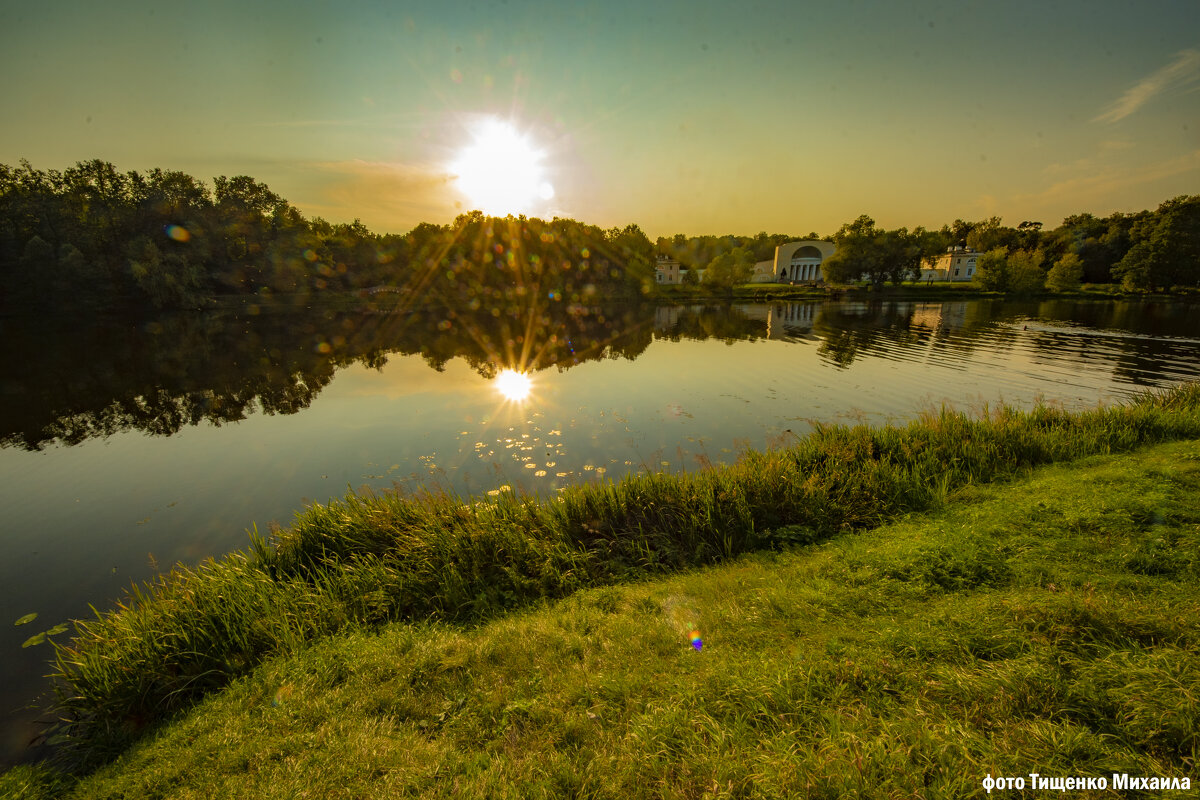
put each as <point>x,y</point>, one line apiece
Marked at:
<point>513,385</point>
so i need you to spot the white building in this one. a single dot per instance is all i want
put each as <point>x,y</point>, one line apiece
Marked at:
<point>795,262</point>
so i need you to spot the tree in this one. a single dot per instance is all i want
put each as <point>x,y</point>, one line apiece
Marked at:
<point>855,257</point>
<point>1066,273</point>
<point>1025,274</point>
<point>1030,234</point>
<point>1166,248</point>
<point>988,235</point>
<point>730,269</point>
<point>1088,237</point>
<point>634,254</point>
<point>167,279</point>
<point>991,270</point>
<point>249,213</point>
<point>100,200</point>
<point>866,251</point>
<point>903,252</point>
<point>958,232</point>
<point>931,244</point>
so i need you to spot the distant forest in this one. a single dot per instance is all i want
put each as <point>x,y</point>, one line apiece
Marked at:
<point>94,236</point>
<point>90,236</point>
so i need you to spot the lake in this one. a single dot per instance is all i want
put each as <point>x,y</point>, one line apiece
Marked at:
<point>129,445</point>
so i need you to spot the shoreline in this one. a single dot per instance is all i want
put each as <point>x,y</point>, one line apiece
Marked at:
<point>946,291</point>
<point>919,657</point>
<point>371,559</point>
<point>360,301</point>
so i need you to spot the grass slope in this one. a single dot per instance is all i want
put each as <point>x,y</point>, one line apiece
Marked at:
<point>373,559</point>
<point>1048,625</point>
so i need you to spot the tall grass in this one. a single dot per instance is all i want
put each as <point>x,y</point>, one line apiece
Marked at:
<point>372,558</point>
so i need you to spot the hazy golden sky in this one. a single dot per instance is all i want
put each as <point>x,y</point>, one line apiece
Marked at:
<point>684,117</point>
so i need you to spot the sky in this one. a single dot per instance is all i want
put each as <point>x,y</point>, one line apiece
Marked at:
<point>682,117</point>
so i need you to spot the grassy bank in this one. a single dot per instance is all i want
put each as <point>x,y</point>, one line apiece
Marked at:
<point>368,560</point>
<point>1044,625</point>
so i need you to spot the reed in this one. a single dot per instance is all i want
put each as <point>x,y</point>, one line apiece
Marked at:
<point>372,558</point>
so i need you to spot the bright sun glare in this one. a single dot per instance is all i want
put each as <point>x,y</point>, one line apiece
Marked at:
<point>500,172</point>
<point>513,385</point>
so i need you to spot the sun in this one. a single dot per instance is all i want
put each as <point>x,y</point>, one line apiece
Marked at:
<point>500,172</point>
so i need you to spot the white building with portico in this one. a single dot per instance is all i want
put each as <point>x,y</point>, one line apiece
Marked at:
<point>795,262</point>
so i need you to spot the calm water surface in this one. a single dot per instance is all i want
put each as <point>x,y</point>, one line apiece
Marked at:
<point>127,446</point>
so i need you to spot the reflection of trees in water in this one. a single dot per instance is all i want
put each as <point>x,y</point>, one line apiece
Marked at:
<point>943,332</point>
<point>1141,344</point>
<point>71,382</point>
<point>849,330</point>
<point>1145,362</point>
<point>1148,318</point>
<point>535,337</point>
<point>1135,359</point>
<point>68,382</point>
<point>723,322</point>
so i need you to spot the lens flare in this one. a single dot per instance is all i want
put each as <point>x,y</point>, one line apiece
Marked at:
<point>513,385</point>
<point>681,614</point>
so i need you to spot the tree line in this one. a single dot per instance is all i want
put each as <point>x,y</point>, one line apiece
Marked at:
<point>1143,251</point>
<point>91,235</point>
<point>1146,250</point>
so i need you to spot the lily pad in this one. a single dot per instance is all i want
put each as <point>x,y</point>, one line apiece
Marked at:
<point>37,638</point>
<point>26,619</point>
<point>57,629</point>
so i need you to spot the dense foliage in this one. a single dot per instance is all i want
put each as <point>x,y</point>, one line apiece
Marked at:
<point>1147,250</point>
<point>867,252</point>
<point>698,252</point>
<point>93,236</point>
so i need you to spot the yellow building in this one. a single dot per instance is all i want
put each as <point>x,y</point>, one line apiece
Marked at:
<point>667,271</point>
<point>956,264</point>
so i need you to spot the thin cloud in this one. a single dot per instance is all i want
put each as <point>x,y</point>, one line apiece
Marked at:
<point>407,119</point>
<point>387,196</point>
<point>1184,69</point>
<point>1113,181</point>
<point>312,123</point>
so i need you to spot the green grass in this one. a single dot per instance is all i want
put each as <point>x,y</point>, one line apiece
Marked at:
<point>368,560</point>
<point>1048,624</point>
